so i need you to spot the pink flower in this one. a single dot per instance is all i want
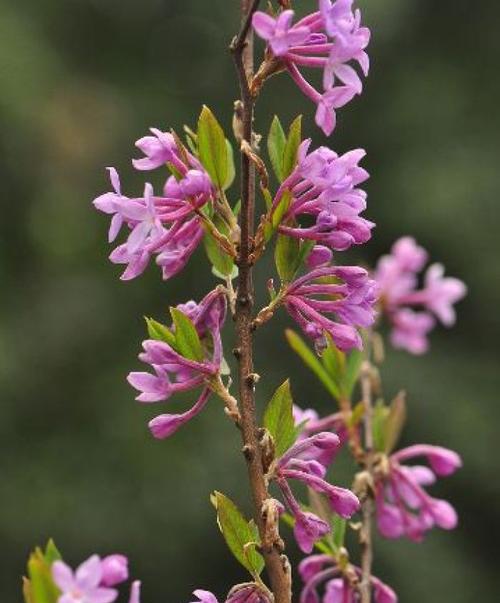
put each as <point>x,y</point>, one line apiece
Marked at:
<point>316,570</point>
<point>324,188</point>
<point>397,281</point>
<point>84,585</point>
<point>403,506</point>
<point>319,256</point>
<point>172,372</point>
<point>279,33</point>
<point>165,226</point>
<point>441,293</point>
<point>310,423</point>
<point>410,329</point>
<point>114,570</point>
<point>344,291</point>
<point>135,592</point>
<point>158,150</point>
<point>329,39</point>
<point>304,462</point>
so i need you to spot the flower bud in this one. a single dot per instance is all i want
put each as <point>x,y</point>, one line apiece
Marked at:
<point>114,570</point>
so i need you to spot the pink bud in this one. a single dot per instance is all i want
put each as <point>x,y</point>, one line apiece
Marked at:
<point>114,570</point>
<point>319,256</point>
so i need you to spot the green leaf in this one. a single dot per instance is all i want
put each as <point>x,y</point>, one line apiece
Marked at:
<point>186,336</point>
<point>285,256</point>
<point>160,332</point>
<point>276,142</point>
<point>305,250</point>
<point>281,208</point>
<point>238,533</point>
<point>352,369</point>
<point>41,586</point>
<point>278,418</point>
<point>394,422</point>
<point>339,526</point>
<point>311,360</point>
<point>380,414</point>
<point>219,259</point>
<point>192,140</point>
<point>231,172</point>
<point>212,147</point>
<point>292,146</point>
<point>51,552</point>
<point>278,213</point>
<point>237,208</point>
<point>334,361</point>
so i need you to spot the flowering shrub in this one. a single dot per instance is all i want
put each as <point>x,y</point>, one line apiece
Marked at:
<point>316,212</point>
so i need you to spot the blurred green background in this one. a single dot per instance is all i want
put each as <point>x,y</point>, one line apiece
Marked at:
<point>80,81</point>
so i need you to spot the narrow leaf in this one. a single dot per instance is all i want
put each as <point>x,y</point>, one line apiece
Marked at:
<point>278,418</point>
<point>231,172</point>
<point>212,147</point>
<point>353,366</point>
<point>219,259</point>
<point>42,587</point>
<point>339,526</point>
<point>395,422</point>
<point>292,146</point>
<point>380,414</point>
<point>160,332</point>
<point>276,142</point>
<point>311,360</point>
<point>238,533</point>
<point>51,552</point>
<point>285,256</point>
<point>186,337</point>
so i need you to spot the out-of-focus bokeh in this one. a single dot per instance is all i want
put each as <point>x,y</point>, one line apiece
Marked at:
<point>80,81</point>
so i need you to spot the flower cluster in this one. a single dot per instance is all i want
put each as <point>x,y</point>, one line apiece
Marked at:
<point>94,580</point>
<point>307,461</point>
<point>316,570</point>
<point>345,291</point>
<point>403,506</point>
<point>165,226</point>
<point>330,39</point>
<point>173,371</point>
<point>397,280</point>
<point>324,187</point>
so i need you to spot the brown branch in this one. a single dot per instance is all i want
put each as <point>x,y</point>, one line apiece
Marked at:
<point>276,564</point>
<point>365,536</point>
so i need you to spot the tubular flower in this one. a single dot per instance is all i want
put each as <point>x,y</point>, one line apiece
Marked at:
<point>403,506</point>
<point>173,372</point>
<point>309,423</point>
<point>322,569</point>
<point>330,39</point>
<point>323,188</point>
<point>344,291</point>
<point>165,226</point>
<point>304,462</point>
<point>397,281</point>
<point>91,581</point>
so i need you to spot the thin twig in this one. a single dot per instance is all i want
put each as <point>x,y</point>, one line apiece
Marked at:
<point>248,10</point>
<point>367,502</point>
<point>276,565</point>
